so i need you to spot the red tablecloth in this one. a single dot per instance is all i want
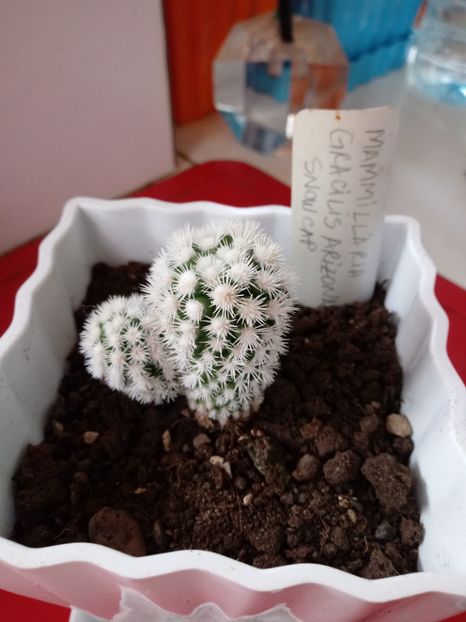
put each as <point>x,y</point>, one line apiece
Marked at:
<point>227,182</point>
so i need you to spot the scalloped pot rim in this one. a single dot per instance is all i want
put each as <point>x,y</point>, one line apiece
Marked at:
<point>232,571</point>
<point>21,559</point>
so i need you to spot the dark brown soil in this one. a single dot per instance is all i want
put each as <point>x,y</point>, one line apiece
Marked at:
<point>313,477</point>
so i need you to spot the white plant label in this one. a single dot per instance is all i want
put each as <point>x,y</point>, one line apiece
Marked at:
<point>341,167</point>
<point>134,607</point>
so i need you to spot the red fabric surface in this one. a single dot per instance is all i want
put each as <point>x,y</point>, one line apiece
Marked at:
<point>227,182</point>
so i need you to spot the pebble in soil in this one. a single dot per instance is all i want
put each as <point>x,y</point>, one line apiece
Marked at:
<point>318,475</point>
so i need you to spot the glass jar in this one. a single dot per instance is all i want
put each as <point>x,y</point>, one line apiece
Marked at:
<point>437,60</point>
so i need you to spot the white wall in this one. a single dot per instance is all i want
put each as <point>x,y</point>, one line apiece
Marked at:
<point>84,106</point>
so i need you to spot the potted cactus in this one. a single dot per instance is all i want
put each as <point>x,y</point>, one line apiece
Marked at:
<point>211,331</point>
<point>213,313</point>
<point>210,324</point>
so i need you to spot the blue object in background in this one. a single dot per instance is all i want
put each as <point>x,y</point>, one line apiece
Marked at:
<point>254,136</point>
<point>259,79</point>
<point>236,123</point>
<point>374,34</point>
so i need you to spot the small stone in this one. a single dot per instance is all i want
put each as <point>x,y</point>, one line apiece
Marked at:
<point>202,419</point>
<point>369,424</point>
<point>391,480</point>
<point>200,440</point>
<point>385,531</point>
<point>342,468</point>
<point>411,532</point>
<point>167,441</point>
<point>268,461</point>
<point>256,433</point>
<point>340,539</point>
<point>118,530</point>
<point>311,429</point>
<point>90,437</point>
<point>343,501</point>
<point>329,441</point>
<point>379,566</point>
<point>399,425</point>
<point>247,499</point>
<point>306,468</point>
<point>403,446</point>
<point>216,460</point>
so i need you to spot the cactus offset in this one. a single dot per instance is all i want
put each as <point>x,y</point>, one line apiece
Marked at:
<point>120,347</point>
<point>220,296</point>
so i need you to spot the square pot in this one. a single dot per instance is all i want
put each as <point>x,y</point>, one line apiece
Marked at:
<point>91,577</point>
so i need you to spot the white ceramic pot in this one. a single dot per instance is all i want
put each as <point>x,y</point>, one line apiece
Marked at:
<point>91,577</point>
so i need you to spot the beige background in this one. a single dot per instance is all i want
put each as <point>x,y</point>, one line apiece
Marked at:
<point>84,106</point>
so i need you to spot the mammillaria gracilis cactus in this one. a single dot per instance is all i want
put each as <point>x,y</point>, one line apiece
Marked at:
<point>221,298</point>
<point>120,348</point>
<point>215,309</point>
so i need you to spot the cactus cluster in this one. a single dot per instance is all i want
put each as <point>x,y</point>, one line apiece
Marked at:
<point>215,309</point>
<point>120,348</point>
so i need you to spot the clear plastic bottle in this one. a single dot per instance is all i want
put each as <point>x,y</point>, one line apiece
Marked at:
<point>437,60</point>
